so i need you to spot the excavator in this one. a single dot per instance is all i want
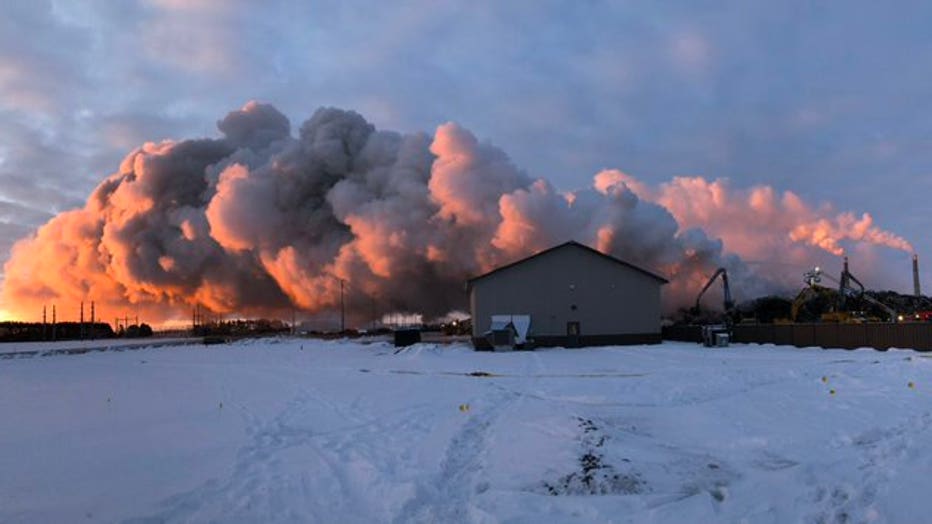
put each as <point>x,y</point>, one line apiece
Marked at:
<point>846,291</point>
<point>718,334</point>
<point>729,302</point>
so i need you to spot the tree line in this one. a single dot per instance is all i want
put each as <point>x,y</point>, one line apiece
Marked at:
<point>37,331</point>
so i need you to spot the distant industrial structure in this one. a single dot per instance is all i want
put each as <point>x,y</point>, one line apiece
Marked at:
<point>570,295</point>
<point>844,314</point>
<point>916,290</point>
<point>17,331</point>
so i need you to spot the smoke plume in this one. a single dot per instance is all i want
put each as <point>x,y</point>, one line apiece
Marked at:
<point>260,222</point>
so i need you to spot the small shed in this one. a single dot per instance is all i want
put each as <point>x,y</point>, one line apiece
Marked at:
<point>574,296</point>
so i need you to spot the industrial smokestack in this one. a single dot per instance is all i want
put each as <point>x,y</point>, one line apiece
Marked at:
<point>916,289</point>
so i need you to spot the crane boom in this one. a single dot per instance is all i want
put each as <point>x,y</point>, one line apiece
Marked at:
<point>718,335</point>
<point>729,303</point>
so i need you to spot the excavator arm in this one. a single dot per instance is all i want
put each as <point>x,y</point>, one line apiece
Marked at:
<point>729,303</point>
<point>894,316</point>
<point>717,335</point>
<point>845,289</point>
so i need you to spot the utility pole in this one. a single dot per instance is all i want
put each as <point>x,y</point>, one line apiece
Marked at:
<point>342,310</point>
<point>44,324</point>
<point>93,327</point>
<point>82,320</point>
<point>53,322</point>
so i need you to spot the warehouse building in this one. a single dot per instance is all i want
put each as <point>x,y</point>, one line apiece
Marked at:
<point>570,295</point>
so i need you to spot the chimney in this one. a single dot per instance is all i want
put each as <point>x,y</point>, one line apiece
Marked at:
<point>843,282</point>
<point>916,289</point>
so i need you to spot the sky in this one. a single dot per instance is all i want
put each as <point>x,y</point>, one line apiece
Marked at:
<point>828,100</point>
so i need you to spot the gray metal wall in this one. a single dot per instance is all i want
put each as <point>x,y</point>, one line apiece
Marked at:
<point>610,298</point>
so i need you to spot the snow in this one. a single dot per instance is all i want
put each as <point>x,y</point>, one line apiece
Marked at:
<point>29,349</point>
<point>300,430</point>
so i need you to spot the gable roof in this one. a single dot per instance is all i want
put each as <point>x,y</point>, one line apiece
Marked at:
<point>571,243</point>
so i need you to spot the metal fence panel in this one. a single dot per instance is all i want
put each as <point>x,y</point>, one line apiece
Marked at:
<point>923,337</point>
<point>825,335</point>
<point>875,335</point>
<point>804,335</point>
<point>783,335</point>
<point>852,336</point>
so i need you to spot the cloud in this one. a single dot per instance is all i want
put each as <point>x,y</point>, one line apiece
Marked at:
<point>663,91</point>
<point>199,37</point>
<point>691,52</point>
<point>36,50</point>
<point>260,221</point>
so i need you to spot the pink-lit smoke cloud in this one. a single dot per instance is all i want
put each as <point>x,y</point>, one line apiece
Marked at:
<point>260,222</point>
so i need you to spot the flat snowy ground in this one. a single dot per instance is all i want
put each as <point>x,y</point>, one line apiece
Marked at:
<point>297,430</point>
<point>101,344</point>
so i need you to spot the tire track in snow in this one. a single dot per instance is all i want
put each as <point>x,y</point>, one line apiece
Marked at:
<point>286,461</point>
<point>881,449</point>
<point>249,481</point>
<point>448,497</point>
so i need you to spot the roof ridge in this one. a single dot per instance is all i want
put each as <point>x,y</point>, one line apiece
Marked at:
<point>571,242</point>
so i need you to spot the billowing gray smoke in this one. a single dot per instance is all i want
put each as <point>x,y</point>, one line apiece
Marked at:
<point>259,221</point>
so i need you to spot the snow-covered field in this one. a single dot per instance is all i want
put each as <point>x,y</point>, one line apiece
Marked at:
<point>101,344</point>
<point>290,430</point>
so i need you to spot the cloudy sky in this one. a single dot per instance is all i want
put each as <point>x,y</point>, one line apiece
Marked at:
<point>827,99</point>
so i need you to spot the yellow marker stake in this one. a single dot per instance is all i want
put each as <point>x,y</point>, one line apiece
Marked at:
<point>825,379</point>
<point>464,407</point>
<point>831,392</point>
<point>911,385</point>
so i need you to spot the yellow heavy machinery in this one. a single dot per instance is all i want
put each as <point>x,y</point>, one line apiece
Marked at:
<point>812,302</point>
<point>816,302</point>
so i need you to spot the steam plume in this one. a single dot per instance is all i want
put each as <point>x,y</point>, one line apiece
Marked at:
<point>260,221</point>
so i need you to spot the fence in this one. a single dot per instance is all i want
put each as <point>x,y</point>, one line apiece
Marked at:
<point>880,336</point>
